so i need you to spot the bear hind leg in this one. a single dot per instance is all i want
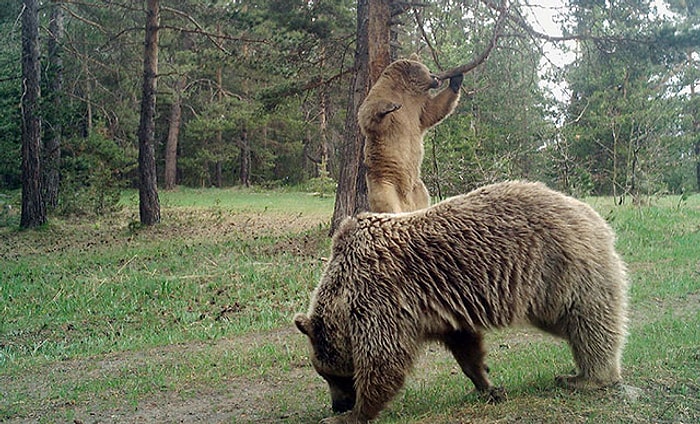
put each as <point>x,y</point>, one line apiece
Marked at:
<point>596,342</point>
<point>468,349</point>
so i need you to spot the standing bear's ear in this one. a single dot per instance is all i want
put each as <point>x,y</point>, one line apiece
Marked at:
<point>414,56</point>
<point>303,323</point>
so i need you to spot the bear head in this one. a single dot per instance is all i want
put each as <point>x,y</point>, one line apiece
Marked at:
<point>331,358</point>
<point>328,323</point>
<point>410,75</point>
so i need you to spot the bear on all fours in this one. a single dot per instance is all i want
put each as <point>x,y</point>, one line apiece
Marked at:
<point>505,254</point>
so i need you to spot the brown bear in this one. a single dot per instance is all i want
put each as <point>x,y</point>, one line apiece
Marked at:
<point>505,254</point>
<point>394,117</point>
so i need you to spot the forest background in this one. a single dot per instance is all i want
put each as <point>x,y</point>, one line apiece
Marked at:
<point>108,320</point>
<point>260,92</point>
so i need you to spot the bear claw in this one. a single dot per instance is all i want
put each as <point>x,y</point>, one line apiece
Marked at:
<point>496,395</point>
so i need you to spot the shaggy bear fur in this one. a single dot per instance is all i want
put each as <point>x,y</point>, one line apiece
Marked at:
<point>394,116</point>
<point>505,254</point>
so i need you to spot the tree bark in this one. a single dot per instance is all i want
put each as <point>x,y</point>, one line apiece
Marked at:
<point>372,55</point>
<point>219,174</point>
<point>696,131</point>
<point>219,180</point>
<point>149,205</point>
<point>351,195</point>
<point>173,136</point>
<point>697,157</point>
<point>52,146</point>
<point>33,206</point>
<point>87,125</point>
<point>322,167</point>
<point>245,159</point>
<point>379,37</point>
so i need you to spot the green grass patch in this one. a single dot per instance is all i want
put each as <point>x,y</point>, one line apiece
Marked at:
<point>240,200</point>
<point>104,319</point>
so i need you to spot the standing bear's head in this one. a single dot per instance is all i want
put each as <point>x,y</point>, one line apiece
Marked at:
<point>409,75</point>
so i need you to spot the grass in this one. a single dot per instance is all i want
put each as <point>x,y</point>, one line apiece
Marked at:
<point>105,320</point>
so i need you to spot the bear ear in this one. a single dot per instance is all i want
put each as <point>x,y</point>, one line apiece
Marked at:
<point>303,323</point>
<point>344,232</point>
<point>414,56</point>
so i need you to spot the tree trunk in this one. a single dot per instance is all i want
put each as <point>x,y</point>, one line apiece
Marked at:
<point>697,157</point>
<point>351,194</point>
<point>33,206</point>
<point>372,55</point>
<point>149,206</point>
<point>52,146</point>
<point>87,125</point>
<point>173,136</point>
<point>219,174</point>
<point>322,167</point>
<point>245,159</point>
<point>379,37</point>
<point>696,134</point>
<point>219,180</point>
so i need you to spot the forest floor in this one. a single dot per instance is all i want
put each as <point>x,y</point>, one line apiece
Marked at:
<point>227,355</point>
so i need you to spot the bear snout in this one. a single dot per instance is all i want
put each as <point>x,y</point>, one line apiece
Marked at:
<point>434,81</point>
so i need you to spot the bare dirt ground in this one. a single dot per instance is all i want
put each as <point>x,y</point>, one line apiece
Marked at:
<point>244,400</point>
<point>285,396</point>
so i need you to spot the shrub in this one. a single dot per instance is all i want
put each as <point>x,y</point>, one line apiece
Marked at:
<point>90,175</point>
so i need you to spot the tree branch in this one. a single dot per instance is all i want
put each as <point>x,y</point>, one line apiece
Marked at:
<point>211,36</point>
<point>199,30</point>
<point>520,21</point>
<point>503,10</point>
<point>421,27</point>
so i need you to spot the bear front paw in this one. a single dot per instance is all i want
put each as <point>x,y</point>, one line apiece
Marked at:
<point>347,418</point>
<point>456,82</point>
<point>496,395</point>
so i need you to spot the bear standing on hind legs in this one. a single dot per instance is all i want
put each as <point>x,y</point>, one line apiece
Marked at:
<point>505,254</point>
<point>394,117</point>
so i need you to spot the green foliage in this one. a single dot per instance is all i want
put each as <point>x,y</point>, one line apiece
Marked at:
<point>10,85</point>
<point>323,186</point>
<point>624,128</point>
<point>496,131</point>
<point>91,170</point>
<point>279,71</point>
